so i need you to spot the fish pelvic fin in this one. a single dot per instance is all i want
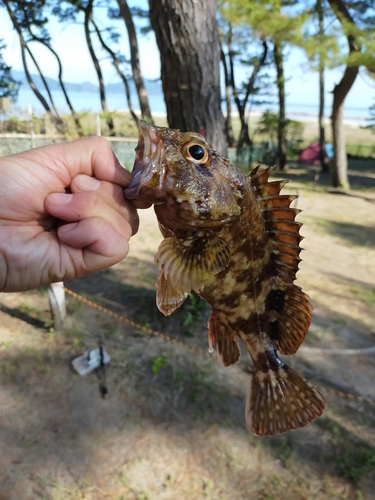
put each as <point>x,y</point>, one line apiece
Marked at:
<point>188,263</point>
<point>168,298</point>
<point>225,338</point>
<point>280,400</point>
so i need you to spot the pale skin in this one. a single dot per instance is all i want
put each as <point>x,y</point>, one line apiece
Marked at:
<point>63,214</point>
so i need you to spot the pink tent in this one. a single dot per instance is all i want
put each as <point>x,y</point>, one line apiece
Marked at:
<point>310,155</point>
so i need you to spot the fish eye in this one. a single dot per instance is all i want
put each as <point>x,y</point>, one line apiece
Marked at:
<point>198,153</point>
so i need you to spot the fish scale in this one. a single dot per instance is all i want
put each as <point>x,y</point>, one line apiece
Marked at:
<point>233,240</point>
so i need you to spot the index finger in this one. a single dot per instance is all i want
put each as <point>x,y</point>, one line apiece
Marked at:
<point>91,156</point>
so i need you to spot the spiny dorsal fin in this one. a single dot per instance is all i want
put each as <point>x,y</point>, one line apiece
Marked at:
<point>188,264</point>
<point>225,338</point>
<point>280,222</point>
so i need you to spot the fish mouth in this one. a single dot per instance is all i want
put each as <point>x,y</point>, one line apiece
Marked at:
<point>147,159</point>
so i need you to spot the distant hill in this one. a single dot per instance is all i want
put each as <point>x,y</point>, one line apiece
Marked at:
<point>153,87</point>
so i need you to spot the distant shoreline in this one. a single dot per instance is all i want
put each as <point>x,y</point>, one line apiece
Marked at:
<point>89,102</point>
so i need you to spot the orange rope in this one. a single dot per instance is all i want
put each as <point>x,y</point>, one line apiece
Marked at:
<point>133,324</point>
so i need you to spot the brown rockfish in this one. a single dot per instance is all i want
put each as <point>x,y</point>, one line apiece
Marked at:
<point>233,239</point>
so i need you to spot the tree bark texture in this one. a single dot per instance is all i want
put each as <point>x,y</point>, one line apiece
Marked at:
<point>281,128</point>
<point>187,36</point>
<point>134,60</point>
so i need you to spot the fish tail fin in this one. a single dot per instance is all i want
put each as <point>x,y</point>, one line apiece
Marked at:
<point>280,400</point>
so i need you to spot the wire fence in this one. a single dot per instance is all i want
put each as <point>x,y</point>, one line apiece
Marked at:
<point>245,158</point>
<point>12,144</point>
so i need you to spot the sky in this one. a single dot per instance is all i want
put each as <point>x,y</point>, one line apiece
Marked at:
<point>68,41</point>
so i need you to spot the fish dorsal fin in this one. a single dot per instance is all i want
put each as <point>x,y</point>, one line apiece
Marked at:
<point>187,264</point>
<point>225,338</point>
<point>279,219</point>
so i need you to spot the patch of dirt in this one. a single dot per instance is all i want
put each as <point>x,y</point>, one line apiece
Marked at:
<point>173,424</point>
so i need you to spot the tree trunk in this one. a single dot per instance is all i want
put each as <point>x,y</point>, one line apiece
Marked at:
<point>54,118</point>
<point>62,85</point>
<point>228,118</point>
<point>341,90</point>
<point>187,36</point>
<point>134,60</point>
<point>281,129</point>
<point>340,161</point>
<point>323,157</point>
<point>88,14</point>
<point>244,131</point>
<point>116,64</point>
<point>324,160</point>
<point>244,138</point>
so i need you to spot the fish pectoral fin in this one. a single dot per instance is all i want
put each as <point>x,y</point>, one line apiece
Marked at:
<point>168,299</point>
<point>293,310</point>
<point>280,400</point>
<point>188,264</point>
<point>225,338</point>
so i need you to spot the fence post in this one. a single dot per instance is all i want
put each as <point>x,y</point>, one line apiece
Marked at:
<point>98,124</point>
<point>56,297</point>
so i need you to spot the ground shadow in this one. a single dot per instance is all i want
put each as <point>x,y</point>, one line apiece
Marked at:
<point>354,234</point>
<point>55,427</point>
<point>16,312</point>
<point>359,178</point>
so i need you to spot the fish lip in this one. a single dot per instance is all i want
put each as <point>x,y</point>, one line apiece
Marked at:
<point>147,155</point>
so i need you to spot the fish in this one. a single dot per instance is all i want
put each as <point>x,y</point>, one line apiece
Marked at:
<point>233,239</point>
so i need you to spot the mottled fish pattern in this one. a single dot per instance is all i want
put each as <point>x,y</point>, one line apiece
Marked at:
<point>233,240</point>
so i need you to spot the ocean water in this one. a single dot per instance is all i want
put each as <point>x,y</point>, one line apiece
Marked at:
<point>89,101</point>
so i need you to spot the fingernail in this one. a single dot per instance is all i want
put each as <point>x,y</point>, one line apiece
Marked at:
<point>86,183</point>
<point>60,198</point>
<point>67,227</point>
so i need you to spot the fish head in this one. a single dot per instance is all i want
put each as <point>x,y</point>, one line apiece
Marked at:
<point>190,184</point>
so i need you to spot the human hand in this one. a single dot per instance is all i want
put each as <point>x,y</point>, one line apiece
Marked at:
<point>48,234</point>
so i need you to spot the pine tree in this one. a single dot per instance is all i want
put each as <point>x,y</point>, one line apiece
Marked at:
<point>8,85</point>
<point>357,21</point>
<point>187,36</point>
<point>280,23</point>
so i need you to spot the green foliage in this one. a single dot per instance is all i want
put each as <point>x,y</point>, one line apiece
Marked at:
<point>280,20</point>
<point>194,307</point>
<point>8,85</point>
<point>371,120</point>
<point>268,125</point>
<point>352,458</point>
<point>367,295</point>
<point>157,364</point>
